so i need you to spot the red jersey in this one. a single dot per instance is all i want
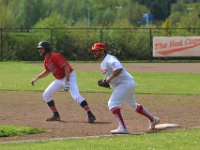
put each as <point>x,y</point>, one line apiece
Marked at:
<point>55,64</point>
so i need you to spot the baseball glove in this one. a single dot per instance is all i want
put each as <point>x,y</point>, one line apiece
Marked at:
<point>103,83</point>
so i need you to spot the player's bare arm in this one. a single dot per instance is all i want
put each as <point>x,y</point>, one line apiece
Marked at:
<point>40,76</point>
<point>105,82</point>
<point>114,75</point>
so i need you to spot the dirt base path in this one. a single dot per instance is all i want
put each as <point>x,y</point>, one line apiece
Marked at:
<point>28,109</point>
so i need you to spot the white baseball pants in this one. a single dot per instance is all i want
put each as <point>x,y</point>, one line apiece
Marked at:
<point>123,93</point>
<point>59,84</point>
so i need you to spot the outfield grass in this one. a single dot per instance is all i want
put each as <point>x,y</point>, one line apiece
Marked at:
<point>18,75</point>
<point>8,130</point>
<point>173,140</point>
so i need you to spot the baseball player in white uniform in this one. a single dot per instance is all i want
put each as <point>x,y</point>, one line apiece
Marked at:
<point>65,76</point>
<point>123,85</point>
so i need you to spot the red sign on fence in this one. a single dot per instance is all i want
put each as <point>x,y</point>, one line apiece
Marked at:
<point>176,46</point>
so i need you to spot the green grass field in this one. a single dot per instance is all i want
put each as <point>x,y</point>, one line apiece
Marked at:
<point>8,130</point>
<point>17,76</point>
<point>177,140</point>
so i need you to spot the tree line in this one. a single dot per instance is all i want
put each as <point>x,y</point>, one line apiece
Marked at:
<point>97,13</point>
<point>72,26</point>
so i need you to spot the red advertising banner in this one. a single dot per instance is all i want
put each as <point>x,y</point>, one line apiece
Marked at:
<point>176,46</point>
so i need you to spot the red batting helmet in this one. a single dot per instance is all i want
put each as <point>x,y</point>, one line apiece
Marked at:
<point>98,46</point>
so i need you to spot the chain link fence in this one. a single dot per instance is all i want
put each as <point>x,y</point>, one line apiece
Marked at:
<point>73,43</point>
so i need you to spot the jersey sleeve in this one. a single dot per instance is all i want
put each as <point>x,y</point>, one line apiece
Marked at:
<point>115,64</point>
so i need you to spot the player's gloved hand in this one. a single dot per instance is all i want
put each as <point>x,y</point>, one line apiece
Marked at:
<point>103,83</point>
<point>66,88</point>
<point>34,81</point>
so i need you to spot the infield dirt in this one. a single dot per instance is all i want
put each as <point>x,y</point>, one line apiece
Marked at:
<point>28,108</point>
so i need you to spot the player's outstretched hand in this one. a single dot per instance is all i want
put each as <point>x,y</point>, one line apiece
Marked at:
<point>33,81</point>
<point>103,83</point>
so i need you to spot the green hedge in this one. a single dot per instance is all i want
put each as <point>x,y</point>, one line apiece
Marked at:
<point>126,44</point>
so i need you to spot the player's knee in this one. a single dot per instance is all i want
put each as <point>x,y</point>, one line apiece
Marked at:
<point>112,105</point>
<point>78,99</point>
<point>46,97</point>
<point>134,105</point>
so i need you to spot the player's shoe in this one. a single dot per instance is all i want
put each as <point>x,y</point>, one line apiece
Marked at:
<point>152,125</point>
<point>55,117</point>
<point>120,130</point>
<point>91,117</point>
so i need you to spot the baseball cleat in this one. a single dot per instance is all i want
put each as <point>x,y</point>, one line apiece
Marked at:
<point>152,125</point>
<point>55,117</point>
<point>91,118</point>
<point>120,130</point>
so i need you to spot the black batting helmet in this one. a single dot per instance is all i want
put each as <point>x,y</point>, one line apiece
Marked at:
<point>44,44</point>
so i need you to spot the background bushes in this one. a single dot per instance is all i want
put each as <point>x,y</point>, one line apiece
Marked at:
<point>74,43</point>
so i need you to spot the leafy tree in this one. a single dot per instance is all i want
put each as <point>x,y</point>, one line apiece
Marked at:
<point>111,10</point>
<point>191,1</point>
<point>191,18</point>
<point>184,15</point>
<point>177,11</point>
<point>55,20</point>
<point>106,18</point>
<point>159,8</point>
<point>74,11</point>
<point>179,6</point>
<point>136,12</point>
<point>30,11</point>
<point>7,18</point>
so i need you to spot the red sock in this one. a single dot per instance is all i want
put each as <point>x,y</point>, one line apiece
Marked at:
<point>141,110</point>
<point>54,109</point>
<point>117,113</point>
<point>86,108</point>
<point>52,106</point>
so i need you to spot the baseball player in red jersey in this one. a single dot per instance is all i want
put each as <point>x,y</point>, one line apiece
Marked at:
<point>123,85</point>
<point>65,78</point>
